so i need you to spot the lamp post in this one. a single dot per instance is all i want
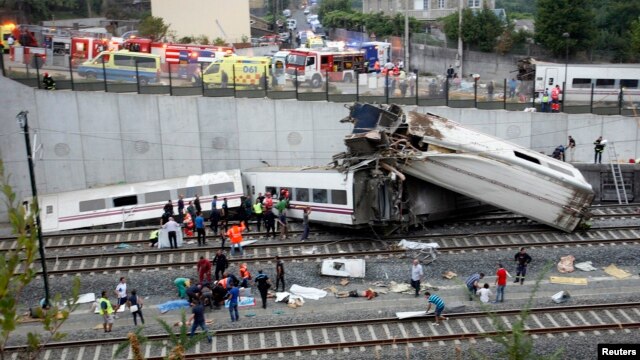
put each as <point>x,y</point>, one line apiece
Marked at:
<point>566,66</point>
<point>23,122</point>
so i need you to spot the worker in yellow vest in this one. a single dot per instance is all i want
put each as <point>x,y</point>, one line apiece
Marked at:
<point>257,210</point>
<point>106,310</point>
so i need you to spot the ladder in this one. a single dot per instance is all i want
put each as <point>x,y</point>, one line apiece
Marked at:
<point>618,181</point>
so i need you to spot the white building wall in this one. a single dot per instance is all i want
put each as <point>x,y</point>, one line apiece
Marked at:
<point>213,18</point>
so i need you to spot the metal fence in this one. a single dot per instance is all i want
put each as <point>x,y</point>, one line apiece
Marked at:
<point>346,86</point>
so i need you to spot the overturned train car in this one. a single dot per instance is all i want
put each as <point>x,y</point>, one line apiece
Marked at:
<point>437,151</point>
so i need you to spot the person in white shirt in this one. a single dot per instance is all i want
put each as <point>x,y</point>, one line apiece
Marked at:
<point>416,275</point>
<point>484,293</point>
<point>121,291</point>
<point>172,229</point>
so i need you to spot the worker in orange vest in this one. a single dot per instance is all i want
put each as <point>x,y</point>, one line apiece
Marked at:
<point>235,234</point>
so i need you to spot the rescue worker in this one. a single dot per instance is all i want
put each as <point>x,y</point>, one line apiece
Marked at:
<point>555,99</point>
<point>270,223</point>
<point>257,211</point>
<point>279,273</point>
<point>221,263</point>
<point>182,284</point>
<point>599,148</point>
<point>522,259</point>
<point>571,146</point>
<point>48,82</point>
<point>235,234</point>
<point>153,238</point>
<point>245,276</point>
<point>106,310</point>
<point>204,269</point>
<point>544,101</point>
<point>263,283</point>
<point>376,67</point>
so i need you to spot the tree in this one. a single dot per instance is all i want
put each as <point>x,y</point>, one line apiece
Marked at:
<point>17,271</point>
<point>219,42</point>
<point>479,28</point>
<point>37,10</point>
<point>327,6</point>
<point>555,17</point>
<point>634,35</point>
<point>153,28</point>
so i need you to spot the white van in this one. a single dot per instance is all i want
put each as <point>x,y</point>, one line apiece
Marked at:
<point>286,12</point>
<point>292,24</point>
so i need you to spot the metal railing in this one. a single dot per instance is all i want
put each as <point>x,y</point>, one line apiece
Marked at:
<point>334,86</point>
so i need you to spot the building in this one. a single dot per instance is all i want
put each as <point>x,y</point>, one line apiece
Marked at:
<point>228,20</point>
<point>424,10</point>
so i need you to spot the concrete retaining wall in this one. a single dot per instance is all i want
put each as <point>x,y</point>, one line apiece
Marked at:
<point>93,138</point>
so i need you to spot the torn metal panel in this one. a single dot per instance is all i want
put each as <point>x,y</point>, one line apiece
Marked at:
<point>354,268</point>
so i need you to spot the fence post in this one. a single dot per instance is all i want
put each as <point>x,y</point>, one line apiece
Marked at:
<point>358,86</point>
<point>591,100</point>
<point>386,86</point>
<point>71,73</point>
<point>104,75</point>
<point>533,95</point>
<point>504,95</point>
<point>295,81</point>
<point>170,80</point>
<point>266,81</point>
<point>326,85</point>
<point>564,94</point>
<point>137,77</point>
<point>37,69</point>
<point>446,92</point>
<point>26,66</point>
<point>201,79</point>
<point>234,81</point>
<point>4,72</point>
<point>416,88</point>
<point>475,93</point>
<point>620,101</point>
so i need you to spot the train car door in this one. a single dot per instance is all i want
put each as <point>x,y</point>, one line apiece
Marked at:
<point>551,78</point>
<point>49,212</point>
<point>251,186</point>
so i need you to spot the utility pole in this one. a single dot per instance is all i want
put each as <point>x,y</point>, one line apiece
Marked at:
<point>460,3</point>
<point>406,35</point>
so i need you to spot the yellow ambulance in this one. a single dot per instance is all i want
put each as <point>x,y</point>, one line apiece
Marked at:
<point>243,72</point>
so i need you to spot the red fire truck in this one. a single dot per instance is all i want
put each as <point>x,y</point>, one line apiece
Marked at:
<point>86,48</point>
<point>170,53</point>
<point>313,66</point>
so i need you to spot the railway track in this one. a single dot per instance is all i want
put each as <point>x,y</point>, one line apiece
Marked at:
<point>187,257</point>
<point>333,338</point>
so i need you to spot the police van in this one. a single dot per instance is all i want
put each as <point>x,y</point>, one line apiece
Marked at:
<point>243,72</point>
<point>121,66</point>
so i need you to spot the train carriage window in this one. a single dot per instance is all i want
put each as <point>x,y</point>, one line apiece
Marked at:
<point>301,194</point>
<point>605,83</point>
<point>579,83</point>
<point>550,81</point>
<point>190,191</point>
<point>339,197</point>
<point>272,190</point>
<point>125,200</point>
<point>157,196</point>
<point>222,188</point>
<point>91,205</point>
<point>320,196</point>
<point>629,84</point>
<point>49,209</point>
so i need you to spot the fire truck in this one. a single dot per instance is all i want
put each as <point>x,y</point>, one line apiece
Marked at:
<point>175,53</point>
<point>313,66</point>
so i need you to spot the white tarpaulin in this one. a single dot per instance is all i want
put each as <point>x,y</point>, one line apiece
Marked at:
<point>343,267</point>
<point>291,299</point>
<point>163,239</point>
<point>414,245</point>
<point>410,314</point>
<point>307,292</point>
<point>86,298</point>
<point>585,266</point>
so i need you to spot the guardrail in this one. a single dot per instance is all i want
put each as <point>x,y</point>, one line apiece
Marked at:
<point>334,86</point>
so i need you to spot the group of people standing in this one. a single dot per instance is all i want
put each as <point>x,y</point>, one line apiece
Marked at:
<point>132,301</point>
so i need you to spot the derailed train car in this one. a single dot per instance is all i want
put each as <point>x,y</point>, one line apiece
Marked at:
<point>441,152</point>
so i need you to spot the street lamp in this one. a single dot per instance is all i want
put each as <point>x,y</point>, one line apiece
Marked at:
<point>23,122</point>
<point>566,66</point>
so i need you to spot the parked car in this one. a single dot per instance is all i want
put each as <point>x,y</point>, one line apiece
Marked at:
<point>292,24</point>
<point>306,11</point>
<point>286,12</point>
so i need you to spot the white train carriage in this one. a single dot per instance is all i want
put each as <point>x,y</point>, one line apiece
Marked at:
<point>327,191</point>
<point>134,202</point>
<point>497,172</point>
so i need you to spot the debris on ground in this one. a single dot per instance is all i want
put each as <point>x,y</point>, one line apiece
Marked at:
<point>585,266</point>
<point>617,272</point>
<point>352,268</point>
<point>449,275</point>
<point>568,280</point>
<point>122,246</point>
<point>561,297</point>
<point>344,282</point>
<point>566,264</point>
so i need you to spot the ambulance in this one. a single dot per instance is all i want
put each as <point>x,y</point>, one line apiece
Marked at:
<point>243,72</point>
<point>123,65</point>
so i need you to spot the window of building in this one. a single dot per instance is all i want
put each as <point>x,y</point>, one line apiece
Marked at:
<point>190,191</point>
<point>157,196</point>
<point>605,83</point>
<point>425,4</point>
<point>339,197</point>
<point>125,200</point>
<point>222,188</point>
<point>91,205</point>
<point>301,194</point>
<point>442,4</point>
<point>581,83</point>
<point>320,196</point>
<point>629,84</point>
<point>474,3</point>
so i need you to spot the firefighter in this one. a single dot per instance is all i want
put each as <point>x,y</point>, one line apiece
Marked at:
<point>48,82</point>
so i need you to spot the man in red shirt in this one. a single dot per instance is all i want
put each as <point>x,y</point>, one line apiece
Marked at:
<point>501,282</point>
<point>204,269</point>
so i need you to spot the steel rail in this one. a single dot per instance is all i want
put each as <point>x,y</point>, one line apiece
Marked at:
<point>360,322</point>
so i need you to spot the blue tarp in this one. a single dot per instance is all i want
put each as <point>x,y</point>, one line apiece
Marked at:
<point>172,305</point>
